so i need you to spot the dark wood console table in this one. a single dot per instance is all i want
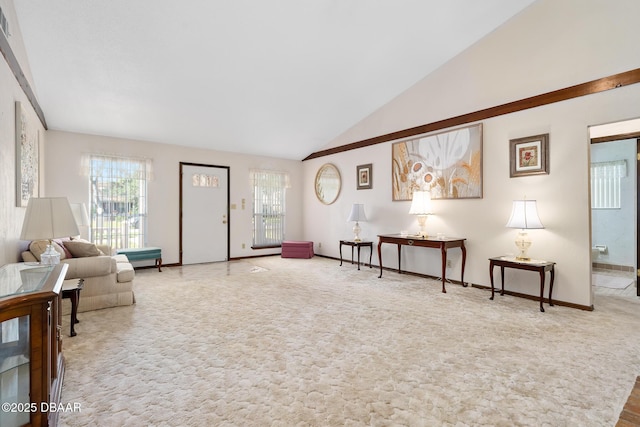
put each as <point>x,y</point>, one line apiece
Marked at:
<point>540,266</point>
<point>425,242</point>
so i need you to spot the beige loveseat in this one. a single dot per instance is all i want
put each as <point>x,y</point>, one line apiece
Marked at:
<point>108,278</point>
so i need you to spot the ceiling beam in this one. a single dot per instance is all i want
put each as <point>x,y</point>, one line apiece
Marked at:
<point>12,61</point>
<point>588,88</point>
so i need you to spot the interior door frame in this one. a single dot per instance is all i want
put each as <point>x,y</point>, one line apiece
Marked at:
<point>228,208</point>
<point>620,137</point>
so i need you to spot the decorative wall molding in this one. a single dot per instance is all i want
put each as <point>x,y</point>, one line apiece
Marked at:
<point>595,86</point>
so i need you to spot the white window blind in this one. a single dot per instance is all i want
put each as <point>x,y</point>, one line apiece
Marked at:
<point>605,184</point>
<point>118,194</point>
<point>269,191</point>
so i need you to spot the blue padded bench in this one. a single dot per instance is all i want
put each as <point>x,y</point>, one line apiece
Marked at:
<point>139,254</point>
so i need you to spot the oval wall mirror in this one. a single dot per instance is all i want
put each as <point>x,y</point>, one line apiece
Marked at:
<point>328,183</point>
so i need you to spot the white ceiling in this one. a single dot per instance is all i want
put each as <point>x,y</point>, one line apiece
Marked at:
<point>280,78</point>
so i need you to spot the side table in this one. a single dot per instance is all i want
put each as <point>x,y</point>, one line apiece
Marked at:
<point>358,245</point>
<point>72,291</point>
<point>534,265</point>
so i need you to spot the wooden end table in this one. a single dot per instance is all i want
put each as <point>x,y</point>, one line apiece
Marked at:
<point>72,291</point>
<point>358,245</point>
<point>534,265</point>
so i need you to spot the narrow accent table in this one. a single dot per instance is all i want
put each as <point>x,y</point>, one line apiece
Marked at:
<point>72,291</point>
<point>534,265</point>
<point>358,245</point>
<point>425,242</point>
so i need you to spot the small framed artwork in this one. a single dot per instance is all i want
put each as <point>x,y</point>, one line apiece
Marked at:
<point>364,173</point>
<point>529,156</point>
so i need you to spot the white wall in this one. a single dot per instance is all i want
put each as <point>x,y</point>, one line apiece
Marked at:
<point>63,156</point>
<point>551,45</point>
<point>11,217</point>
<point>614,227</point>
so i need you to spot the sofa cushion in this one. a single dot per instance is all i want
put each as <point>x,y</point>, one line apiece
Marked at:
<point>81,249</point>
<point>38,247</point>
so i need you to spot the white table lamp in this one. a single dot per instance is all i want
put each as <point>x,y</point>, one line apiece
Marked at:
<point>357,214</point>
<point>524,215</point>
<point>421,206</point>
<point>47,218</point>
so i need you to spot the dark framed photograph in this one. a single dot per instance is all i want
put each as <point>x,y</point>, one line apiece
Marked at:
<point>529,156</point>
<point>364,174</point>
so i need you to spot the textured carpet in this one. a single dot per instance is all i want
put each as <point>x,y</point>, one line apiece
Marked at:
<point>296,342</point>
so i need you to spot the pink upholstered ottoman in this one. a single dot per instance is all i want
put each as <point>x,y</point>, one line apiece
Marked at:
<point>291,249</point>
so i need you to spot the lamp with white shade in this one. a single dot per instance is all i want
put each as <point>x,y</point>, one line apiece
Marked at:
<point>82,218</point>
<point>357,214</point>
<point>524,215</point>
<point>48,218</point>
<point>421,206</point>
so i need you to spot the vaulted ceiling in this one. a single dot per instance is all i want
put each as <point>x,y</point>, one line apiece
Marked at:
<point>279,78</point>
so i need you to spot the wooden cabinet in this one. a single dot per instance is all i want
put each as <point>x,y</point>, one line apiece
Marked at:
<point>31,361</point>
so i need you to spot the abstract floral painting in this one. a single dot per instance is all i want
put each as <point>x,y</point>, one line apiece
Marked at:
<point>448,164</point>
<point>27,158</point>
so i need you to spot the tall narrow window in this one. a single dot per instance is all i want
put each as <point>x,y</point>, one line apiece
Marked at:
<point>605,184</point>
<point>118,194</point>
<point>269,190</point>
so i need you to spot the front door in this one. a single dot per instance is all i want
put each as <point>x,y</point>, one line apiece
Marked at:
<point>204,213</point>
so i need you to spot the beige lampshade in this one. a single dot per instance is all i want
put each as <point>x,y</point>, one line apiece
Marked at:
<point>421,203</point>
<point>80,214</point>
<point>357,213</point>
<point>524,215</point>
<point>48,218</point>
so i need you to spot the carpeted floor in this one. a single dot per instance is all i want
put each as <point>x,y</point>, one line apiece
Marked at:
<point>292,342</point>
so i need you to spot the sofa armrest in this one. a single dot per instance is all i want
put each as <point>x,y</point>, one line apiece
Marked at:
<point>80,268</point>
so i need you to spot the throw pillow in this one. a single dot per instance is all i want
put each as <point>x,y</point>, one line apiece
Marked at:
<point>38,247</point>
<point>82,249</point>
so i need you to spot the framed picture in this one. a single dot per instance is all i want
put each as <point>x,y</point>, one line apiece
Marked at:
<point>364,174</point>
<point>529,156</point>
<point>27,158</point>
<point>448,164</point>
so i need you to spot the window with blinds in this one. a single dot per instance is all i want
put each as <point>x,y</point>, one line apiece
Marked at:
<point>269,191</point>
<point>118,194</point>
<point>605,184</point>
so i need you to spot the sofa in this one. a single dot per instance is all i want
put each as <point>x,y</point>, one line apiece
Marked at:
<point>108,278</point>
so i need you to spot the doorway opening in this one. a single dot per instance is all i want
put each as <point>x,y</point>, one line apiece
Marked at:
<point>614,177</point>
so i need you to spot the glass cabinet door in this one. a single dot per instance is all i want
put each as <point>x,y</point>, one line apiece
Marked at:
<point>14,372</point>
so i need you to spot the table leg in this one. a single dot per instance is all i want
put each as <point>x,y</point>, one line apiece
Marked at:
<point>74,311</point>
<point>399,259</point>
<point>502,279</point>
<point>358,257</point>
<point>541,289</point>
<point>341,254</point>
<point>380,258</point>
<point>370,255</point>
<point>159,264</point>
<point>491,276</point>
<point>443,251</point>
<point>351,254</point>
<point>552,274</point>
<point>464,260</point>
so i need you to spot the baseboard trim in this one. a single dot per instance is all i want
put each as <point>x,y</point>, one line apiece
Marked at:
<point>536,298</point>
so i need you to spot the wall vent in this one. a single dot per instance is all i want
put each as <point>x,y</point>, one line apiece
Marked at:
<point>4,24</point>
